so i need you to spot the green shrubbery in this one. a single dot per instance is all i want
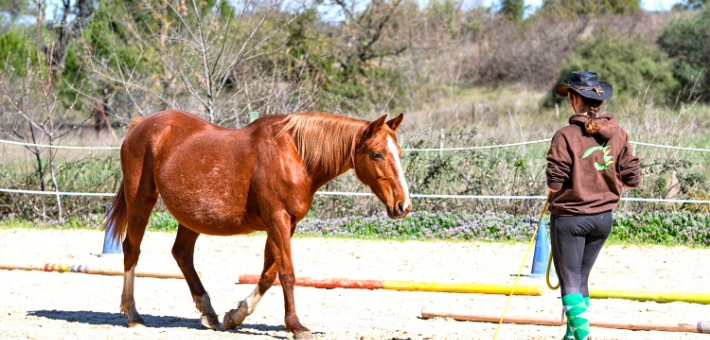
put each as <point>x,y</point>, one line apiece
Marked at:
<point>588,8</point>
<point>14,52</point>
<point>687,41</point>
<point>91,174</point>
<point>637,69</point>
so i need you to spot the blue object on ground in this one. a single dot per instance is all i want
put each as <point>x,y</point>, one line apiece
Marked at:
<point>111,246</point>
<point>542,254</point>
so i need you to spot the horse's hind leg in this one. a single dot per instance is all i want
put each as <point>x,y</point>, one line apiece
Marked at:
<point>140,202</point>
<point>183,251</point>
<point>235,317</point>
<point>131,251</point>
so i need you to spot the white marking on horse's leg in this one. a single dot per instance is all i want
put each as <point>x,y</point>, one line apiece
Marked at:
<point>209,317</point>
<point>235,317</point>
<point>128,303</point>
<point>400,174</point>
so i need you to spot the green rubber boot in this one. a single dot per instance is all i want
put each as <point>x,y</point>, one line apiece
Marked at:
<point>576,313</point>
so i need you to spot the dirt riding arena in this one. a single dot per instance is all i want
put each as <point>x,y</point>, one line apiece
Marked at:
<point>42,305</point>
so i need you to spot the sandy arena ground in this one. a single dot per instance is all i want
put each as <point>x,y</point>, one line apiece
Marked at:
<point>41,305</point>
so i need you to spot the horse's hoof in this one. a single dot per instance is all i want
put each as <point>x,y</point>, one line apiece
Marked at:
<point>233,319</point>
<point>210,321</point>
<point>304,336</point>
<point>137,323</point>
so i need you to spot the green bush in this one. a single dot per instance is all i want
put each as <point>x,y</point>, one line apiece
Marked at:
<point>635,68</point>
<point>90,174</point>
<point>14,52</point>
<point>686,40</point>
<point>587,8</point>
<point>690,5</point>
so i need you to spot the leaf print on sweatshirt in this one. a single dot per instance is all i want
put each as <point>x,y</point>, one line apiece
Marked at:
<point>607,158</point>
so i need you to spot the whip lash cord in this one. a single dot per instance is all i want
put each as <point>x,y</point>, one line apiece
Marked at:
<point>542,214</point>
<point>547,275</point>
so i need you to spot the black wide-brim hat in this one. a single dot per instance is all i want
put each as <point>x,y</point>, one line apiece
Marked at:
<point>587,85</point>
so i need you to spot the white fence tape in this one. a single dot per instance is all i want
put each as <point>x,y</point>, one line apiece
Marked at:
<point>656,200</point>
<point>63,147</point>
<point>337,193</point>
<point>61,193</point>
<point>406,150</point>
<point>480,147</point>
<point>670,147</point>
<point>548,140</point>
<point>632,199</point>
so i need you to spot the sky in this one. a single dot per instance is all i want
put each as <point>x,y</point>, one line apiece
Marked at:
<point>647,5</point>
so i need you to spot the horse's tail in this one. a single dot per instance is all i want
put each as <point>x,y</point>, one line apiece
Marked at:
<point>134,122</point>
<point>117,219</point>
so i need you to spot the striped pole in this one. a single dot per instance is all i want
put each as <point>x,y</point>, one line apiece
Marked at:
<point>86,269</point>
<point>479,288</point>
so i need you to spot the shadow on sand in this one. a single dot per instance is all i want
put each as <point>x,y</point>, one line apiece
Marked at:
<point>116,319</point>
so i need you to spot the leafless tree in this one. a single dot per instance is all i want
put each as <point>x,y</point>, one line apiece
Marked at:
<point>34,109</point>
<point>190,57</point>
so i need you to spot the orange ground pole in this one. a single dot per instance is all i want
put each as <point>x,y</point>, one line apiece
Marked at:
<point>618,323</point>
<point>321,283</point>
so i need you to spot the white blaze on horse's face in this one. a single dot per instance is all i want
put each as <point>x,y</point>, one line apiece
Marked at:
<point>399,175</point>
<point>377,164</point>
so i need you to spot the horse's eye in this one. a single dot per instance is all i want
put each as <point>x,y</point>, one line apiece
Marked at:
<point>378,155</point>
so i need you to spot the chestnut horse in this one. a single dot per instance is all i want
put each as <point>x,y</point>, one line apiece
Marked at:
<point>263,177</point>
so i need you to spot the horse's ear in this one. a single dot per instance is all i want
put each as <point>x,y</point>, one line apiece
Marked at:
<point>375,126</point>
<point>395,122</point>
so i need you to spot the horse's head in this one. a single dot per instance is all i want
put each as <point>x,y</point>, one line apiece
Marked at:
<point>377,164</point>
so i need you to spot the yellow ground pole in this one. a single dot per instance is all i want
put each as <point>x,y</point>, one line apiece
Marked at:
<point>640,295</point>
<point>480,288</point>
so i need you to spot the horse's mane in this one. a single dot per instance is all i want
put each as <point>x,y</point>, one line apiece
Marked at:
<point>324,141</point>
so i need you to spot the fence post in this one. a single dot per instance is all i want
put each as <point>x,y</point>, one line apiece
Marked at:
<point>441,143</point>
<point>473,112</point>
<point>253,116</point>
<point>557,110</point>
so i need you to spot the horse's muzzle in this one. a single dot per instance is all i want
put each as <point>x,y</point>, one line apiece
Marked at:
<point>398,212</point>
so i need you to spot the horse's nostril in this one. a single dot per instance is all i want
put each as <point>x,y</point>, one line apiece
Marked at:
<point>400,208</point>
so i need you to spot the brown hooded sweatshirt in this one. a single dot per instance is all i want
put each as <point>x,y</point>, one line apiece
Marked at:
<point>589,170</point>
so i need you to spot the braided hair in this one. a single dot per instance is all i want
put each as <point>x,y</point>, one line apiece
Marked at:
<point>593,105</point>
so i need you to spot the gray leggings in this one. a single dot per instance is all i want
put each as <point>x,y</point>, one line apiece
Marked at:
<point>576,242</point>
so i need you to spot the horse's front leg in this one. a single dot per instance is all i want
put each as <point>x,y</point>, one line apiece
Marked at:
<point>282,229</point>
<point>235,317</point>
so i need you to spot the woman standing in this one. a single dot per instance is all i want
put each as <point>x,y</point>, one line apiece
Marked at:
<point>589,162</point>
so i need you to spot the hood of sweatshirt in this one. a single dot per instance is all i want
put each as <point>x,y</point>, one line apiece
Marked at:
<point>606,121</point>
